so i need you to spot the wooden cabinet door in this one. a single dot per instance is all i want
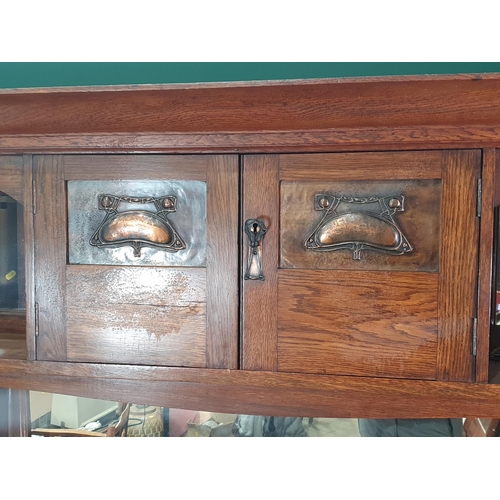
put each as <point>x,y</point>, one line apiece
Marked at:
<point>369,264</point>
<point>136,259</point>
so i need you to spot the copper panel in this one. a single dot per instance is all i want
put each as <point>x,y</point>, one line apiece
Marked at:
<point>382,225</point>
<point>158,223</point>
<point>358,323</point>
<point>359,225</point>
<point>137,228</point>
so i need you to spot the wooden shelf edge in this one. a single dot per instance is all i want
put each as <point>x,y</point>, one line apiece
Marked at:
<point>257,393</point>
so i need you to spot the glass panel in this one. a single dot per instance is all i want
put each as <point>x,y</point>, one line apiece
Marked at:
<point>12,288</point>
<point>55,414</point>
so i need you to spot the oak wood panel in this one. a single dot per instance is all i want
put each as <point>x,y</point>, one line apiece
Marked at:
<point>357,323</point>
<point>13,322</point>
<point>484,306</point>
<point>11,177</point>
<point>459,264</point>
<point>134,167</point>
<point>50,257</point>
<point>353,139</point>
<point>13,346</point>
<point>13,334</point>
<point>259,298</point>
<point>303,105</point>
<point>257,393</point>
<point>29,255</point>
<point>362,166</point>
<point>136,315</point>
<point>222,262</point>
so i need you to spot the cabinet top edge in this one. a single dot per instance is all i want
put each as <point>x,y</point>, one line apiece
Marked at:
<point>254,83</point>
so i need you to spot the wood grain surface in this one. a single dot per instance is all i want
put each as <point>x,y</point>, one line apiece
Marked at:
<point>134,315</point>
<point>361,166</point>
<point>11,177</point>
<point>13,334</point>
<point>13,322</point>
<point>260,298</point>
<point>135,167</point>
<point>485,289</point>
<point>358,323</point>
<point>257,393</point>
<point>50,256</point>
<point>29,255</point>
<point>303,105</point>
<point>222,262</point>
<point>353,139</point>
<point>459,264</point>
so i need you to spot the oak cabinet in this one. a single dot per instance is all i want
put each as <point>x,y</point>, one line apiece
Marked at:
<point>319,248</point>
<point>362,265</point>
<point>136,259</point>
<point>370,262</point>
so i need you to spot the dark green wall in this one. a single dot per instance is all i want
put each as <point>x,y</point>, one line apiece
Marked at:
<point>14,75</point>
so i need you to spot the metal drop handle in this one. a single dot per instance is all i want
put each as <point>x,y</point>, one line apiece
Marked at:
<point>256,230</point>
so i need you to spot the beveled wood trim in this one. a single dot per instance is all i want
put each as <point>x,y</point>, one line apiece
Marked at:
<point>488,177</point>
<point>11,177</point>
<point>50,256</point>
<point>135,167</point>
<point>257,393</point>
<point>29,255</point>
<point>457,293</point>
<point>268,141</point>
<point>260,298</point>
<point>222,262</point>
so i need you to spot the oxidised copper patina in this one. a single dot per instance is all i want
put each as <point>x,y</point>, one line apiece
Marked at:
<point>137,228</point>
<point>357,224</point>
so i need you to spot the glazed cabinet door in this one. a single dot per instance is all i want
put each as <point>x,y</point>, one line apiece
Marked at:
<point>136,259</point>
<point>364,264</point>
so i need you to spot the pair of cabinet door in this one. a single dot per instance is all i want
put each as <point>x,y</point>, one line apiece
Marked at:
<point>369,260</point>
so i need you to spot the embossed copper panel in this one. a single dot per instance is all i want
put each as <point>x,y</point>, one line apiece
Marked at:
<point>358,225</point>
<point>159,223</point>
<point>137,228</point>
<point>381,225</point>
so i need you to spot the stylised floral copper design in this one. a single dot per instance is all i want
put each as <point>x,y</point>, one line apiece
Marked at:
<point>137,228</point>
<point>358,224</point>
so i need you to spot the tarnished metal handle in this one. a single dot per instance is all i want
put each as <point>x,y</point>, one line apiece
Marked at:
<point>256,230</point>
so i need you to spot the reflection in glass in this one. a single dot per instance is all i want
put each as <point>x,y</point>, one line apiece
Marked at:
<point>51,413</point>
<point>12,289</point>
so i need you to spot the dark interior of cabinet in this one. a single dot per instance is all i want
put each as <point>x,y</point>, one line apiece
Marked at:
<point>494,376</point>
<point>12,286</point>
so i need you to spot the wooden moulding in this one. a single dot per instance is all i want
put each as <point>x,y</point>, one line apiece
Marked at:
<point>292,106</point>
<point>258,393</point>
<point>308,115</point>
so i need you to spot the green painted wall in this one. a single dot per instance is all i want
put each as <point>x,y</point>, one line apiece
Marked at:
<point>16,75</point>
